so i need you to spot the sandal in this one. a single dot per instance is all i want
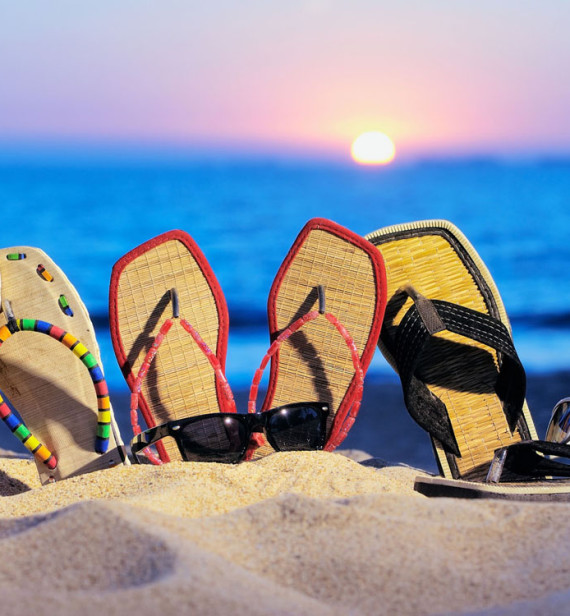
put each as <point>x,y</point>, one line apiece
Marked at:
<point>315,364</point>
<point>56,404</point>
<point>155,290</point>
<point>447,334</point>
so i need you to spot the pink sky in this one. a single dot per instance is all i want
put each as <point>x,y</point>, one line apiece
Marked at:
<point>438,77</point>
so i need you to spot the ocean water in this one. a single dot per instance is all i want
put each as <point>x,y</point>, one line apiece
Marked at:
<point>245,214</point>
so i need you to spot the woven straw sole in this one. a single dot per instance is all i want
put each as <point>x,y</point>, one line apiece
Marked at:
<point>48,386</point>
<point>181,382</point>
<point>315,364</point>
<point>437,259</point>
<point>552,490</point>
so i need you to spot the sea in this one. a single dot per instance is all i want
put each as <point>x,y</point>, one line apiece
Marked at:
<point>245,213</point>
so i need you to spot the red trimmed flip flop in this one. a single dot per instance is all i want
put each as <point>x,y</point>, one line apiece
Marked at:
<point>169,328</point>
<point>325,308</point>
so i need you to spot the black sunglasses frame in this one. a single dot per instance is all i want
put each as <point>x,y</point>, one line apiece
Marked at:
<point>528,460</point>
<point>252,422</point>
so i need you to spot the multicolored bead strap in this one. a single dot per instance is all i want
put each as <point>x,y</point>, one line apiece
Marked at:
<point>95,372</point>
<point>212,358</point>
<point>20,430</point>
<point>286,333</point>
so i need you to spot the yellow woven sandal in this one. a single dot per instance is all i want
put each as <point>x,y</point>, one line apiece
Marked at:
<point>447,334</point>
<point>58,405</point>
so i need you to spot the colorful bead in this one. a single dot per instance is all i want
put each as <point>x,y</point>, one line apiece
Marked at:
<point>80,350</point>
<point>15,256</point>
<point>43,273</point>
<point>68,340</point>
<point>101,389</point>
<point>64,305</point>
<point>43,327</point>
<point>105,416</point>
<point>56,332</point>
<point>5,333</point>
<point>26,325</point>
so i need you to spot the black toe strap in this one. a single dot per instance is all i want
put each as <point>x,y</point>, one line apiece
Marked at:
<point>424,319</point>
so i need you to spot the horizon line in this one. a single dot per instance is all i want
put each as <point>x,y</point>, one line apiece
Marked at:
<point>133,151</point>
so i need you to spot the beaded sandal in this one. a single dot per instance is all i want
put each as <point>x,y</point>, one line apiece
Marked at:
<point>56,404</point>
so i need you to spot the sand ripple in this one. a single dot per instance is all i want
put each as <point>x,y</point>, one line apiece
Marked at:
<point>311,533</point>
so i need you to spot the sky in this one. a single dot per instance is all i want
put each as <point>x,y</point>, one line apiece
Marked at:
<point>305,76</point>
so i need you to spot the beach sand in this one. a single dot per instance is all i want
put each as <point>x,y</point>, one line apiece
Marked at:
<point>293,533</point>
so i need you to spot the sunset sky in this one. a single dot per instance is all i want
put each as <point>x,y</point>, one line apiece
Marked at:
<point>303,76</point>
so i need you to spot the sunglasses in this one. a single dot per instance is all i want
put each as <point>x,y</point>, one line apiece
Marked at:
<point>225,437</point>
<point>528,460</point>
<point>558,430</point>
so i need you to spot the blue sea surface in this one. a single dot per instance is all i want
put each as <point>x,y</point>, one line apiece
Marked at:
<point>245,214</point>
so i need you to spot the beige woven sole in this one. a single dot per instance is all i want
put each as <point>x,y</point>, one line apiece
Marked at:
<point>437,260</point>
<point>49,387</point>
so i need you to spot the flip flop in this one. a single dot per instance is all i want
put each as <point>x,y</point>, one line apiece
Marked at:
<point>56,404</point>
<point>325,311</point>
<point>447,334</point>
<point>164,294</point>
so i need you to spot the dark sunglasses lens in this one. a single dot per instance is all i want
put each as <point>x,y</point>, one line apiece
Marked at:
<point>213,439</point>
<point>558,430</point>
<point>297,428</point>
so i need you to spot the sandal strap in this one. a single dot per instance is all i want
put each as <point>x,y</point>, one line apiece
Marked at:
<point>18,427</point>
<point>149,357</point>
<point>424,319</point>
<point>338,432</point>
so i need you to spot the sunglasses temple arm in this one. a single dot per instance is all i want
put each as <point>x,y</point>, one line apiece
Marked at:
<point>144,439</point>
<point>551,467</point>
<point>541,466</point>
<point>547,465</point>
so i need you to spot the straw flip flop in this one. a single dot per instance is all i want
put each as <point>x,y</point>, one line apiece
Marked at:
<point>325,311</point>
<point>447,334</point>
<point>58,405</point>
<point>169,328</point>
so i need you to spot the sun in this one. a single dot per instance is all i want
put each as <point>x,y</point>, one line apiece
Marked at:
<point>373,148</point>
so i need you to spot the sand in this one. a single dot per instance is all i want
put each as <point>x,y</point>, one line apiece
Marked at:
<point>293,533</point>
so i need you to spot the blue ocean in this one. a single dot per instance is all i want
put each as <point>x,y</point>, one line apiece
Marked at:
<point>245,214</point>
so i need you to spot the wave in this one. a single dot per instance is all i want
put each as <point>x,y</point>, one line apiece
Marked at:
<point>553,320</point>
<point>240,318</point>
<point>244,318</point>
